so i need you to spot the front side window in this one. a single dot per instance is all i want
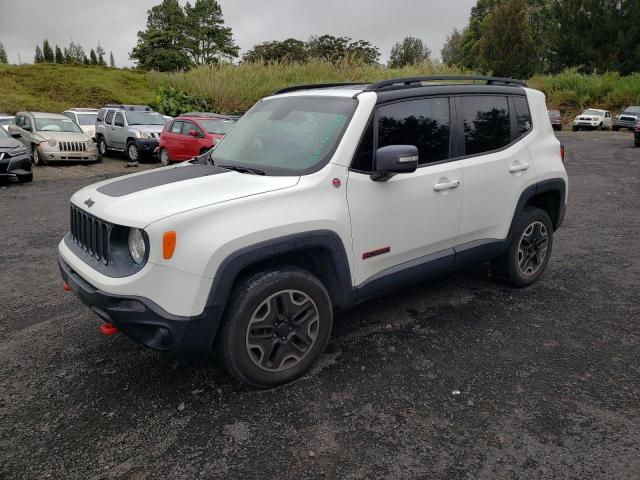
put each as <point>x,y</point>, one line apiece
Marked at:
<point>486,123</point>
<point>523,114</point>
<point>109,117</point>
<point>70,115</point>
<point>119,121</point>
<point>145,118</point>
<point>424,123</point>
<point>287,135</point>
<point>363,159</point>
<point>57,125</point>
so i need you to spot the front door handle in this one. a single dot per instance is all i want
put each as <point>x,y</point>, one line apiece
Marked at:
<point>439,187</point>
<point>518,167</point>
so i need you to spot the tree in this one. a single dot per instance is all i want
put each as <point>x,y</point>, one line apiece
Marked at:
<point>93,57</point>
<point>47,52</point>
<point>100,52</point>
<point>85,60</point>
<point>59,56</point>
<point>507,41</point>
<point>3,54</point>
<point>74,53</point>
<point>410,51</point>
<point>451,52</point>
<point>335,49</point>
<point>38,57</point>
<point>112,62</point>
<point>206,38</point>
<point>289,50</point>
<point>161,46</point>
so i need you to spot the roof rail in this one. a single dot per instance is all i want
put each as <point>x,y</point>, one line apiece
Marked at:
<point>417,81</point>
<point>316,85</point>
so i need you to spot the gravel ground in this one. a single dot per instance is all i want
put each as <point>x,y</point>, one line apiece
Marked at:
<point>459,377</point>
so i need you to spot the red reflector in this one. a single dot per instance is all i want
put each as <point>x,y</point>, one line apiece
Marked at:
<point>108,329</point>
<point>66,287</point>
<point>562,153</point>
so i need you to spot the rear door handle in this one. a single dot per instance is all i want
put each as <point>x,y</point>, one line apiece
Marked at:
<point>439,187</point>
<point>519,167</point>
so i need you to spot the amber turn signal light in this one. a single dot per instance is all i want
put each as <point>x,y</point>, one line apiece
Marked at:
<point>168,244</point>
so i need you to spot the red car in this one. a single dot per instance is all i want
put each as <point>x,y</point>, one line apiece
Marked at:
<point>187,136</point>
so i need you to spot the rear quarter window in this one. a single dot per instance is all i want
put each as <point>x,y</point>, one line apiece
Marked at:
<point>523,115</point>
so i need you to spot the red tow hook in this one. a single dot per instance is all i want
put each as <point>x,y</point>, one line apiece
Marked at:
<point>108,329</point>
<point>66,287</point>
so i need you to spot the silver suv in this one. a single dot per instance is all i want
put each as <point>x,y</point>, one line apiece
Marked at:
<point>133,129</point>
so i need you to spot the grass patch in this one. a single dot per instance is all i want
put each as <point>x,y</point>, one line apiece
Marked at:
<point>54,88</point>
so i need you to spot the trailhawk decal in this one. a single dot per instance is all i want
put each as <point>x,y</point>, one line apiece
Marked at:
<point>158,178</point>
<point>375,253</point>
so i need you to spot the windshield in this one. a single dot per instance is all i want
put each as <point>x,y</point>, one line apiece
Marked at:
<point>57,125</point>
<point>217,127</point>
<point>597,113</point>
<point>87,118</point>
<point>145,118</point>
<point>287,135</point>
<point>3,133</point>
<point>632,110</point>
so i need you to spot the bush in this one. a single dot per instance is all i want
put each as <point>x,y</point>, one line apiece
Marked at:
<point>170,101</point>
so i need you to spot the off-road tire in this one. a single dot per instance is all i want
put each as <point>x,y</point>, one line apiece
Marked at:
<point>103,149</point>
<point>36,158</point>
<point>508,266</point>
<point>233,345</point>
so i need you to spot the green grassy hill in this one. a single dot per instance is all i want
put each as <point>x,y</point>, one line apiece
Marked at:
<point>54,88</point>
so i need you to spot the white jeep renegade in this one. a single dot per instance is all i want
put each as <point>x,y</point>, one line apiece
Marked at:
<point>320,198</point>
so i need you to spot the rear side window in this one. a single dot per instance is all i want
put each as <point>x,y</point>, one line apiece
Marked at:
<point>424,123</point>
<point>523,115</point>
<point>109,117</point>
<point>486,123</point>
<point>176,127</point>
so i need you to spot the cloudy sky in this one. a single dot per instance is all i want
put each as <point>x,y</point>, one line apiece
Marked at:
<point>114,23</point>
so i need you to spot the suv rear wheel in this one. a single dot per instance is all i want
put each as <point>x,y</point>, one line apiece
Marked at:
<point>277,326</point>
<point>526,258</point>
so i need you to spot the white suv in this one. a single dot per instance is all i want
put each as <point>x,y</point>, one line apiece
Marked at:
<point>593,119</point>
<point>320,198</point>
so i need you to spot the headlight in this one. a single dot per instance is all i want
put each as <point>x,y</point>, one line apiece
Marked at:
<point>145,134</point>
<point>52,142</point>
<point>137,245</point>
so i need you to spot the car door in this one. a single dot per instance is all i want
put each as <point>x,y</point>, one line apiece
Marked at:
<point>119,131</point>
<point>108,127</point>
<point>174,142</point>
<point>18,128</point>
<point>497,166</point>
<point>410,221</point>
<point>191,145</point>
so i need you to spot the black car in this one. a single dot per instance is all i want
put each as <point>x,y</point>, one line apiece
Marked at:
<point>15,160</point>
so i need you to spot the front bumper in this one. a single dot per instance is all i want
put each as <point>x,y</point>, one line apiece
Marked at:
<point>57,156</point>
<point>624,124</point>
<point>145,322</point>
<point>16,167</point>
<point>586,124</point>
<point>147,146</point>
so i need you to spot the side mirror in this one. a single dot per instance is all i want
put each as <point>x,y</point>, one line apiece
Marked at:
<point>16,135</point>
<point>394,159</point>
<point>27,128</point>
<point>98,120</point>
<point>193,133</point>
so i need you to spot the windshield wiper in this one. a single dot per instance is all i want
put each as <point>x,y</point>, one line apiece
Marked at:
<point>239,169</point>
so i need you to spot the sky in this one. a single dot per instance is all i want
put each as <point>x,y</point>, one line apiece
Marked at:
<point>114,23</point>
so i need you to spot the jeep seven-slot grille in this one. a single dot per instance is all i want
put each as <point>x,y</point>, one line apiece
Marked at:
<point>73,146</point>
<point>91,234</point>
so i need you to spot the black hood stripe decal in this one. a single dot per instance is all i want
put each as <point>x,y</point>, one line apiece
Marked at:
<point>158,178</point>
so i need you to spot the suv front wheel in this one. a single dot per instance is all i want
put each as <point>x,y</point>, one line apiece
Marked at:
<point>277,326</point>
<point>523,263</point>
<point>133,152</point>
<point>103,150</point>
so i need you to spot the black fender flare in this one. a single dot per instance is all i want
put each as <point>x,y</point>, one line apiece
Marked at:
<point>551,185</point>
<point>341,287</point>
